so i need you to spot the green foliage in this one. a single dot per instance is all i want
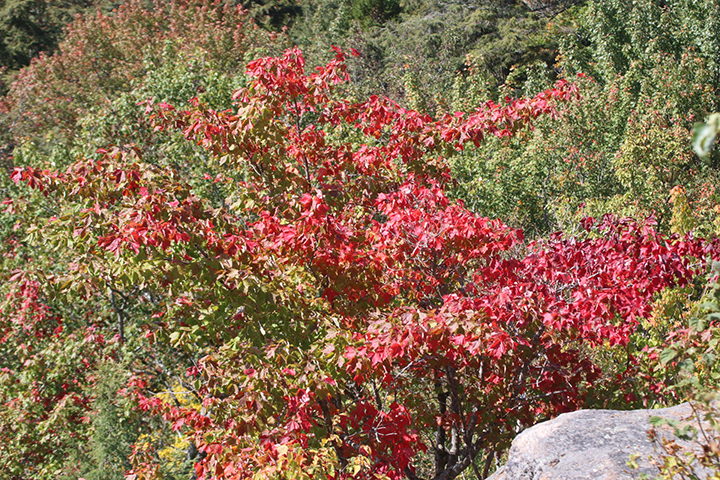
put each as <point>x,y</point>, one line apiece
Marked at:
<point>28,27</point>
<point>114,428</point>
<point>85,97</point>
<point>625,144</point>
<point>682,221</point>
<point>622,33</point>
<point>693,353</point>
<point>694,356</point>
<point>375,11</point>
<point>415,56</point>
<point>539,179</point>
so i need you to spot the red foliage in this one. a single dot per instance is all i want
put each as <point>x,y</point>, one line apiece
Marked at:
<point>104,55</point>
<point>354,307</point>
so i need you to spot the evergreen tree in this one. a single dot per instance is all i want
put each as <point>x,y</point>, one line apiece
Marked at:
<point>28,27</point>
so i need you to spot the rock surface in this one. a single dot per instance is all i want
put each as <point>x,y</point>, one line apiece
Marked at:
<point>587,445</point>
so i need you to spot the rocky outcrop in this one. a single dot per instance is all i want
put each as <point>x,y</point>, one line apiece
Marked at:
<point>588,445</point>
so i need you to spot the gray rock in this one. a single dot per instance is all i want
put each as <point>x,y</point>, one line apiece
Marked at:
<point>588,445</point>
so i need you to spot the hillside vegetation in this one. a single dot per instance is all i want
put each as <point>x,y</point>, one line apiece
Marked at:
<point>352,239</point>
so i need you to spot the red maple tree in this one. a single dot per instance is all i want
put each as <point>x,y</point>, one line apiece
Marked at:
<point>354,320</point>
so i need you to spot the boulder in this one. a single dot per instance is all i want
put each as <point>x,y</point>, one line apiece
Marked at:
<point>588,444</point>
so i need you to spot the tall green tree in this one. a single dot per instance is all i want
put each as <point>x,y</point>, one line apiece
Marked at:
<point>28,27</point>
<point>648,70</point>
<point>411,51</point>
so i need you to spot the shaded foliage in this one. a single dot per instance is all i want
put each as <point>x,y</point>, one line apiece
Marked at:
<point>28,27</point>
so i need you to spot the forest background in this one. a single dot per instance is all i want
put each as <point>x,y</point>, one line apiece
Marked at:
<point>218,271</point>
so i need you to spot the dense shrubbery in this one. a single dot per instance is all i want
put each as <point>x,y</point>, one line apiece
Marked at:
<point>65,107</point>
<point>28,27</point>
<point>86,96</point>
<point>271,272</point>
<point>416,56</point>
<point>626,144</point>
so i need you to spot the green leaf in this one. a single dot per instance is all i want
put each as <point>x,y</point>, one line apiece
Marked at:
<point>668,355</point>
<point>658,421</point>
<point>697,324</point>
